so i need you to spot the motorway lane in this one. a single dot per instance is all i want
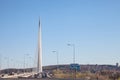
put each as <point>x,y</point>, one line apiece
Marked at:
<point>44,79</point>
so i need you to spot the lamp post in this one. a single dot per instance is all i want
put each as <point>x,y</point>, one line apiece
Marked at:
<point>25,63</point>
<point>73,45</point>
<point>7,64</point>
<point>31,63</point>
<point>0,63</point>
<point>57,57</point>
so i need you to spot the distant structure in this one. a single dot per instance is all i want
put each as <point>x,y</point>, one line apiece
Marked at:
<point>117,64</point>
<point>39,57</point>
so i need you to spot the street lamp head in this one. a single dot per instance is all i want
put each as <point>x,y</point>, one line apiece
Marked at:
<point>53,51</point>
<point>69,44</point>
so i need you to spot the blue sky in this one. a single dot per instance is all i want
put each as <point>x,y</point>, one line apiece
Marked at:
<point>92,25</point>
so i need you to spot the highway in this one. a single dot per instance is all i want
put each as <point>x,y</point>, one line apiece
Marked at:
<point>44,79</point>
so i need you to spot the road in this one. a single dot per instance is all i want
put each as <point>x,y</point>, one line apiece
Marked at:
<point>44,79</point>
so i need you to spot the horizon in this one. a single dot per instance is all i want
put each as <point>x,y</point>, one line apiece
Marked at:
<point>92,26</point>
<point>65,65</point>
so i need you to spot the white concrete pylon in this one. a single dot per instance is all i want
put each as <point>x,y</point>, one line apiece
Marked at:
<point>39,62</point>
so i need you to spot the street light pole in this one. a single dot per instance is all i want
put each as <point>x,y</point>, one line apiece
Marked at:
<point>31,63</point>
<point>57,57</point>
<point>73,53</point>
<point>73,45</point>
<point>7,66</point>
<point>0,63</point>
<point>24,65</point>
<point>25,62</point>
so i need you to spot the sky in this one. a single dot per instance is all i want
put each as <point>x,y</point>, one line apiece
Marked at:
<point>93,26</point>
